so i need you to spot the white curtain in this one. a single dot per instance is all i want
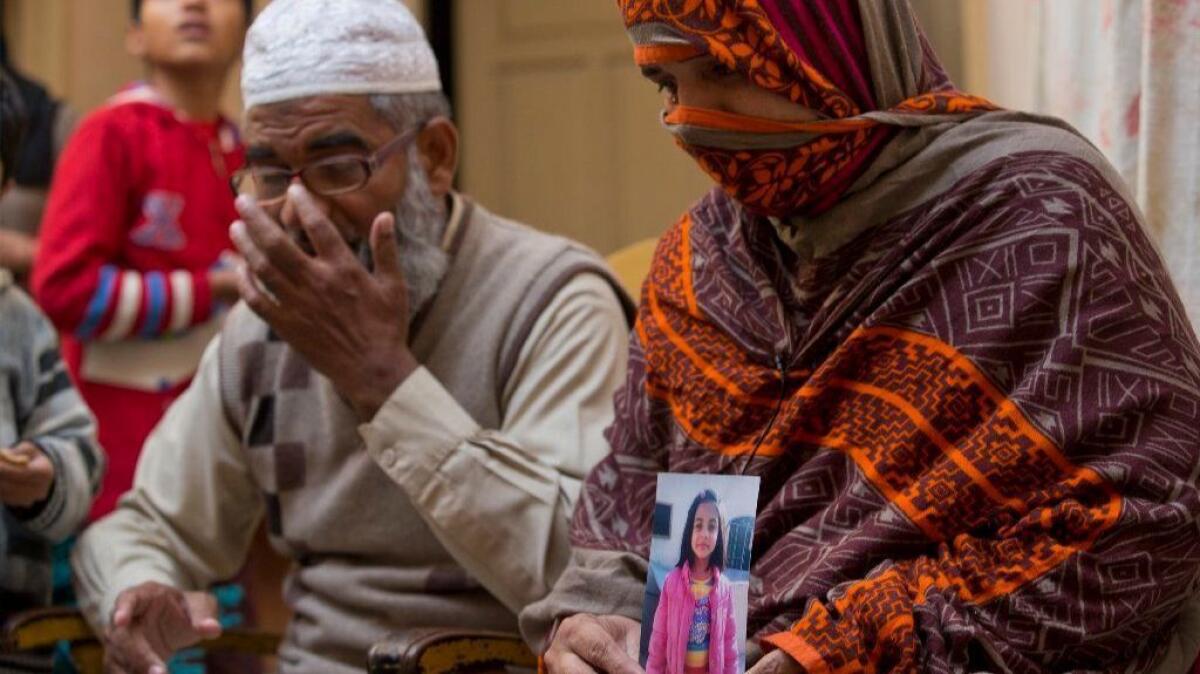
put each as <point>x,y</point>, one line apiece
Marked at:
<point>1126,73</point>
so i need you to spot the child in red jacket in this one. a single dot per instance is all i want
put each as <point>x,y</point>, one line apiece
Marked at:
<point>136,226</point>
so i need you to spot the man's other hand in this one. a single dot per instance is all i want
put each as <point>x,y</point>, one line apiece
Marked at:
<point>151,621</point>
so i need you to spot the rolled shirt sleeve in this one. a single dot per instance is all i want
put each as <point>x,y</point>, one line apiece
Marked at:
<point>53,416</point>
<point>190,516</point>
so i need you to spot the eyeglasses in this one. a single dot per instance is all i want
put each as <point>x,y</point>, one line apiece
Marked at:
<point>327,177</point>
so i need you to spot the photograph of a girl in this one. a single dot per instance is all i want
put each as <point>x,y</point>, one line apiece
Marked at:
<point>695,626</point>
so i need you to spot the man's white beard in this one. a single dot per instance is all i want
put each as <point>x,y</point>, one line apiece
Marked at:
<point>420,224</point>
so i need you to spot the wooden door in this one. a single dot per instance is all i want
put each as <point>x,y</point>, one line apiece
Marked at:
<point>559,129</point>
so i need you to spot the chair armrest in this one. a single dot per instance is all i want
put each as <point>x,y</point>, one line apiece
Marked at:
<point>449,650</point>
<point>42,628</point>
<point>245,641</point>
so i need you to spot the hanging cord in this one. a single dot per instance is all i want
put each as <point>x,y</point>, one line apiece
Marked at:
<point>774,415</point>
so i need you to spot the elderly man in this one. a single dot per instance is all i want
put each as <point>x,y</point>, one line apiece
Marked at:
<point>410,393</point>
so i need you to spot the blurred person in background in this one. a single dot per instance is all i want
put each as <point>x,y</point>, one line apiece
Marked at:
<point>50,122</point>
<point>50,463</point>
<point>130,263</point>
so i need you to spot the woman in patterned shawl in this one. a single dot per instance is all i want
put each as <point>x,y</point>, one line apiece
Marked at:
<point>935,329</point>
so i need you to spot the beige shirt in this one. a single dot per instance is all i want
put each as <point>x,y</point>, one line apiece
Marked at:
<point>499,500</point>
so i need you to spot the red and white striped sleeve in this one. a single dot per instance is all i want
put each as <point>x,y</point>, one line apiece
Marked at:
<point>76,278</point>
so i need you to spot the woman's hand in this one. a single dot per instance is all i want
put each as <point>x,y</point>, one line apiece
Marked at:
<point>776,662</point>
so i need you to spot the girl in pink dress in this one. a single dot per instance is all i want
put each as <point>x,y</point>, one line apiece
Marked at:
<point>694,629</point>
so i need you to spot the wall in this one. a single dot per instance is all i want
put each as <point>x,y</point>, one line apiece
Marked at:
<point>77,48</point>
<point>558,128</point>
<point>1000,50</point>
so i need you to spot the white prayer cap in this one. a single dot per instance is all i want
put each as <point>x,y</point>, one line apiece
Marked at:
<point>299,48</point>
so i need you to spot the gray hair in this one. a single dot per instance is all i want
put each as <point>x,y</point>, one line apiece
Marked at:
<point>420,217</point>
<point>404,110</point>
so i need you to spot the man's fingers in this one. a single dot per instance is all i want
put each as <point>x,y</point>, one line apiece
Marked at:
<point>325,239</point>
<point>111,666</point>
<point>127,607</point>
<point>202,609</point>
<point>207,628</point>
<point>168,627</point>
<point>149,623</point>
<point>132,652</point>
<point>384,250</point>
<point>269,237</point>
<point>259,299</point>
<point>251,255</point>
<point>257,261</point>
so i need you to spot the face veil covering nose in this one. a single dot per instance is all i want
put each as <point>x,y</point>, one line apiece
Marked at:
<point>775,168</point>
